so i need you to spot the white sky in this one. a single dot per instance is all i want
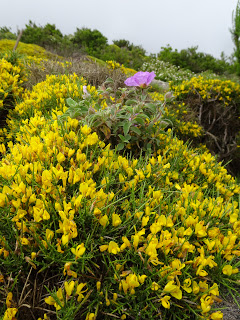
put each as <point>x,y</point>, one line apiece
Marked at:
<point>150,23</point>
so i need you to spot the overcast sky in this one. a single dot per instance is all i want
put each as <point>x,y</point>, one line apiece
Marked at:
<point>150,23</point>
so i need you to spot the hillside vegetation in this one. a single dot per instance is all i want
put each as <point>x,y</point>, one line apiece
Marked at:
<point>111,203</point>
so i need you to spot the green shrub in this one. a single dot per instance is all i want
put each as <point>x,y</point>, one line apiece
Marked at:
<point>5,33</point>
<point>195,61</point>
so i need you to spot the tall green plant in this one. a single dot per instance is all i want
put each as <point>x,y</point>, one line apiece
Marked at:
<point>235,31</point>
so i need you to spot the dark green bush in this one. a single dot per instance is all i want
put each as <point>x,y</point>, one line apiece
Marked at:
<point>195,61</point>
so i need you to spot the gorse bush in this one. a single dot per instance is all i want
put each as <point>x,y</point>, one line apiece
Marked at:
<point>59,87</point>
<point>89,233</point>
<point>214,104</point>
<point>27,49</point>
<point>12,80</point>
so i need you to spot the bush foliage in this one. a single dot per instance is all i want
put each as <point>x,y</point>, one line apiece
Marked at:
<point>195,61</point>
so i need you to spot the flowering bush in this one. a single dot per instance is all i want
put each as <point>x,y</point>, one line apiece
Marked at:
<point>12,79</point>
<point>214,105</point>
<point>165,71</point>
<point>88,233</point>
<point>27,49</point>
<point>125,118</point>
<point>168,72</point>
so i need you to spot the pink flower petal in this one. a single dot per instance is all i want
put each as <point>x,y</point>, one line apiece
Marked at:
<point>140,79</point>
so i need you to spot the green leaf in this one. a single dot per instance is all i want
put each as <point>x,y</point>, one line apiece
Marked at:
<point>109,80</point>
<point>129,102</point>
<point>121,137</point>
<point>128,108</point>
<point>128,136</point>
<point>71,103</point>
<point>151,107</point>
<point>136,130</point>
<point>149,146</point>
<point>124,139</point>
<point>120,146</point>
<point>139,120</point>
<point>126,127</point>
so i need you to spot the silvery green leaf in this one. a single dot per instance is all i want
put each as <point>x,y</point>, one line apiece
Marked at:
<point>126,127</point>
<point>71,102</point>
<point>136,130</point>
<point>109,80</point>
<point>139,120</point>
<point>120,146</point>
<point>129,102</point>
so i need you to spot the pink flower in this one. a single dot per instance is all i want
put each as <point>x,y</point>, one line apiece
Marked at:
<point>85,92</point>
<point>140,79</point>
<point>85,89</point>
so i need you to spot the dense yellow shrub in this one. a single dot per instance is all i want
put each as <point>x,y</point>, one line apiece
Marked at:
<point>10,82</point>
<point>27,49</point>
<point>125,236</point>
<point>215,106</point>
<point>45,98</point>
<point>161,233</point>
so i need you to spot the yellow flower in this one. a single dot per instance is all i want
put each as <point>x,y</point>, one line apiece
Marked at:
<point>10,314</point>
<point>113,247</point>
<point>142,278</point>
<point>145,220</point>
<point>49,300</point>
<point>60,298</point>
<point>9,299</point>
<point>85,130</point>
<point>187,285</point>
<point>79,251</point>
<point>25,241</point>
<point>69,286</point>
<point>126,243</point>
<point>104,220</point>
<point>116,220</point>
<point>200,229</point>
<point>90,316</point>
<point>65,239</point>
<point>173,289</point>
<point>68,271</point>
<point>60,157</point>
<point>228,270</point>
<point>216,315</point>
<point>165,302</point>
<point>131,282</point>
<point>214,290</point>
<point>80,291</point>
<point>49,234</point>
<point>104,247</point>
<point>98,286</point>
<point>206,304</point>
<point>155,286</point>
